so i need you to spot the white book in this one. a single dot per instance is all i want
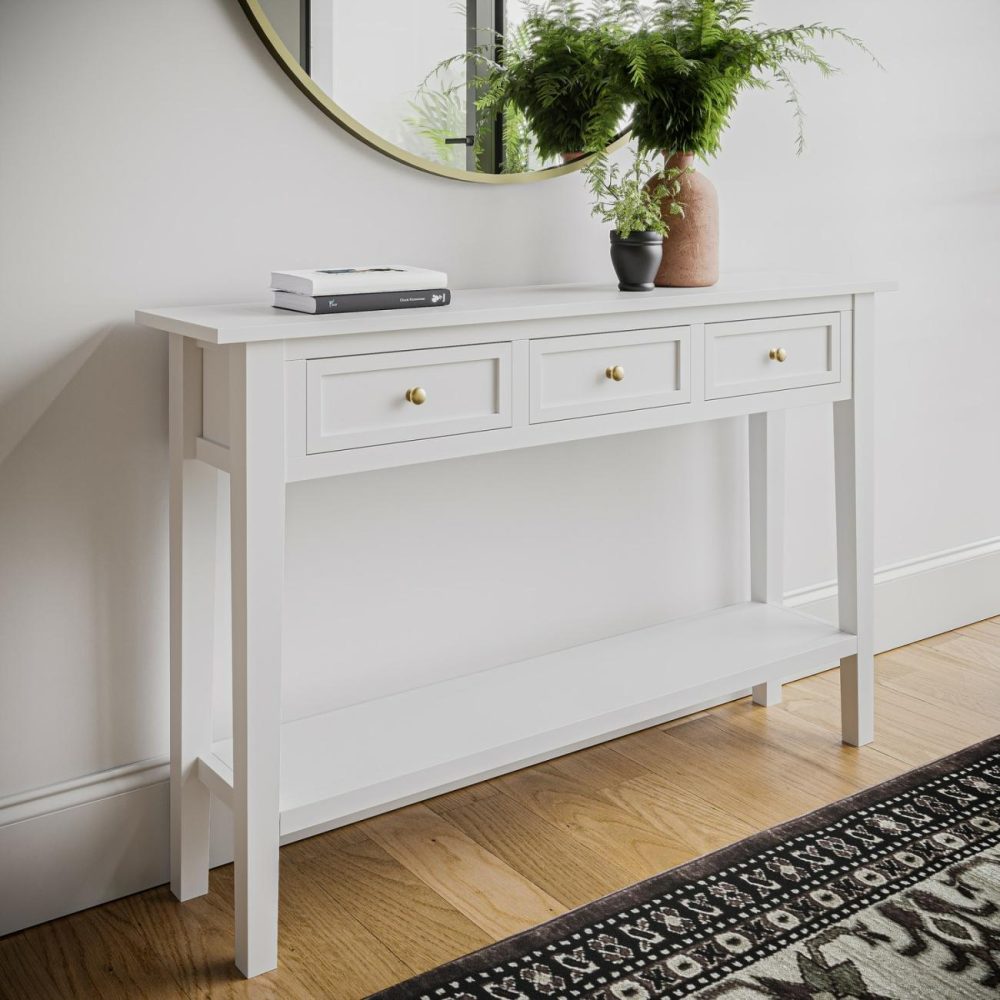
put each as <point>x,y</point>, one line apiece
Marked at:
<point>370,278</point>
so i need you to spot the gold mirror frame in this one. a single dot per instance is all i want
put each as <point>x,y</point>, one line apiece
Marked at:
<point>272,40</point>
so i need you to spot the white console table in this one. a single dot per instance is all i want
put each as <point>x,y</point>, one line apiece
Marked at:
<point>273,397</point>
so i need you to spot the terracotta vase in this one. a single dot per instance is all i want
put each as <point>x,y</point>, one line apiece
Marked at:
<point>691,249</point>
<point>570,157</point>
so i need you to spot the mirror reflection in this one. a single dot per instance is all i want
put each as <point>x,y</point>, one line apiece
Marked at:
<point>414,72</point>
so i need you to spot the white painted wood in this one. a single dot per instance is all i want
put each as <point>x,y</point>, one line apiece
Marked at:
<point>217,777</point>
<point>520,378</point>
<point>698,372</point>
<point>573,324</point>
<point>410,745</point>
<point>49,836</point>
<point>193,495</point>
<point>568,376</point>
<point>35,802</point>
<point>846,342</point>
<point>46,843</point>
<point>343,391</point>
<point>853,458</point>
<point>211,454</point>
<point>738,361</point>
<point>215,395</point>
<point>250,321</point>
<point>361,401</point>
<point>768,694</point>
<point>257,504</point>
<point>921,597</point>
<point>351,460</point>
<point>766,432</point>
<point>295,415</point>
<point>82,854</point>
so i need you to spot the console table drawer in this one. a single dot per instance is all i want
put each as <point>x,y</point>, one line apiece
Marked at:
<point>608,373</point>
<point>356,402</point>
<point>764,355</point>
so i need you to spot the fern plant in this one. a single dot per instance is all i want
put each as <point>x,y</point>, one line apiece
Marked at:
<point>631,197</point>
<point>561,76</point>
<point>689,62</point>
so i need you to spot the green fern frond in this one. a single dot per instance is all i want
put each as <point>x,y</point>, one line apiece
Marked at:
<point>573,73</point>
<point>632,198</point>
<point>687,72</point>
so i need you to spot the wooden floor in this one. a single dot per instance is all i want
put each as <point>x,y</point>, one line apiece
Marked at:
<point>372,904</point>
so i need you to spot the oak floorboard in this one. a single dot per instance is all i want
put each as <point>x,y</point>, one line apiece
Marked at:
<point>683,719</point>
<point>806,758</point>
<point>368,905</point>
<point>938,640</point>
<point>699,827</point>
<point>476,882</point>
<point>785,731</point>
<point>976,650</point>
<point>970,686</point>
<point>565,868</point>
<point>463,796</point>
<point>917,715</point>
<point>597,767</point>
<point>351,962</point>
<point>702,756</point>
<point>911,728</point>
<point>988,629</point>
<point>364,881</point>
<point>356,965</point>
<point>101,953</point>
<point>590,816</point>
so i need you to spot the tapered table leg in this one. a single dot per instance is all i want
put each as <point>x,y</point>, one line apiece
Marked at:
<point>257,483</point>
<point>767,522</point>
<point>193,498</point>
<point>853,457</point>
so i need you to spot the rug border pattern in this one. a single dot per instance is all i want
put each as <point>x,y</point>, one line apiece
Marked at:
<point>659,889</point>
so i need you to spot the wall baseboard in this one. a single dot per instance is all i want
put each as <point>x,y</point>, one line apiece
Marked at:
<point>102,836</point>
<point>66,849</point>
<point>921,597</point>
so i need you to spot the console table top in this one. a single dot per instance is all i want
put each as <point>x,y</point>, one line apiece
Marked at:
<point>244,322</point>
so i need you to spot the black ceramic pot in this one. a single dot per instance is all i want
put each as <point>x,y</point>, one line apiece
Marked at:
<point>636,260</point>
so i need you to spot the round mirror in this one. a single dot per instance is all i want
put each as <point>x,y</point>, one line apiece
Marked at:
<point>406,77</point>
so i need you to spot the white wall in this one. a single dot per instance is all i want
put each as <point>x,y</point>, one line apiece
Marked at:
<point>154,154</point>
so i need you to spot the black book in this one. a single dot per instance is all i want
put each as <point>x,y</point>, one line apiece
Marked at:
<point>361,301</point>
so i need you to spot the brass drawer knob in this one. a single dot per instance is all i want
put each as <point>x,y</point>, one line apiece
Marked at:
<point>616,374</point>
<point>416,395</point>
<point>777,354</point>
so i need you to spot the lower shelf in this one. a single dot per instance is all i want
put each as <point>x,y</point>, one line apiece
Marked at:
<point>355,762</point>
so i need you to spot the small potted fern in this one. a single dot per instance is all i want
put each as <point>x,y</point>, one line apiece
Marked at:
<point>634,204</point>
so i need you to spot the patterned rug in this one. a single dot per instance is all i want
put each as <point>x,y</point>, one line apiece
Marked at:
<point>891,894</point>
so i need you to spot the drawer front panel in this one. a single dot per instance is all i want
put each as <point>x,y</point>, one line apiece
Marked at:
<point>741,358</point>
<point>572,376</point>
<point>357,402</point>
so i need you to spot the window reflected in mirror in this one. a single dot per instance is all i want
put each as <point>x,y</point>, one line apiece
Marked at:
<point>412,73</point>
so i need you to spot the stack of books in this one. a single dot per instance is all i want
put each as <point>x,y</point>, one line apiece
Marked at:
<point>359,289</point>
